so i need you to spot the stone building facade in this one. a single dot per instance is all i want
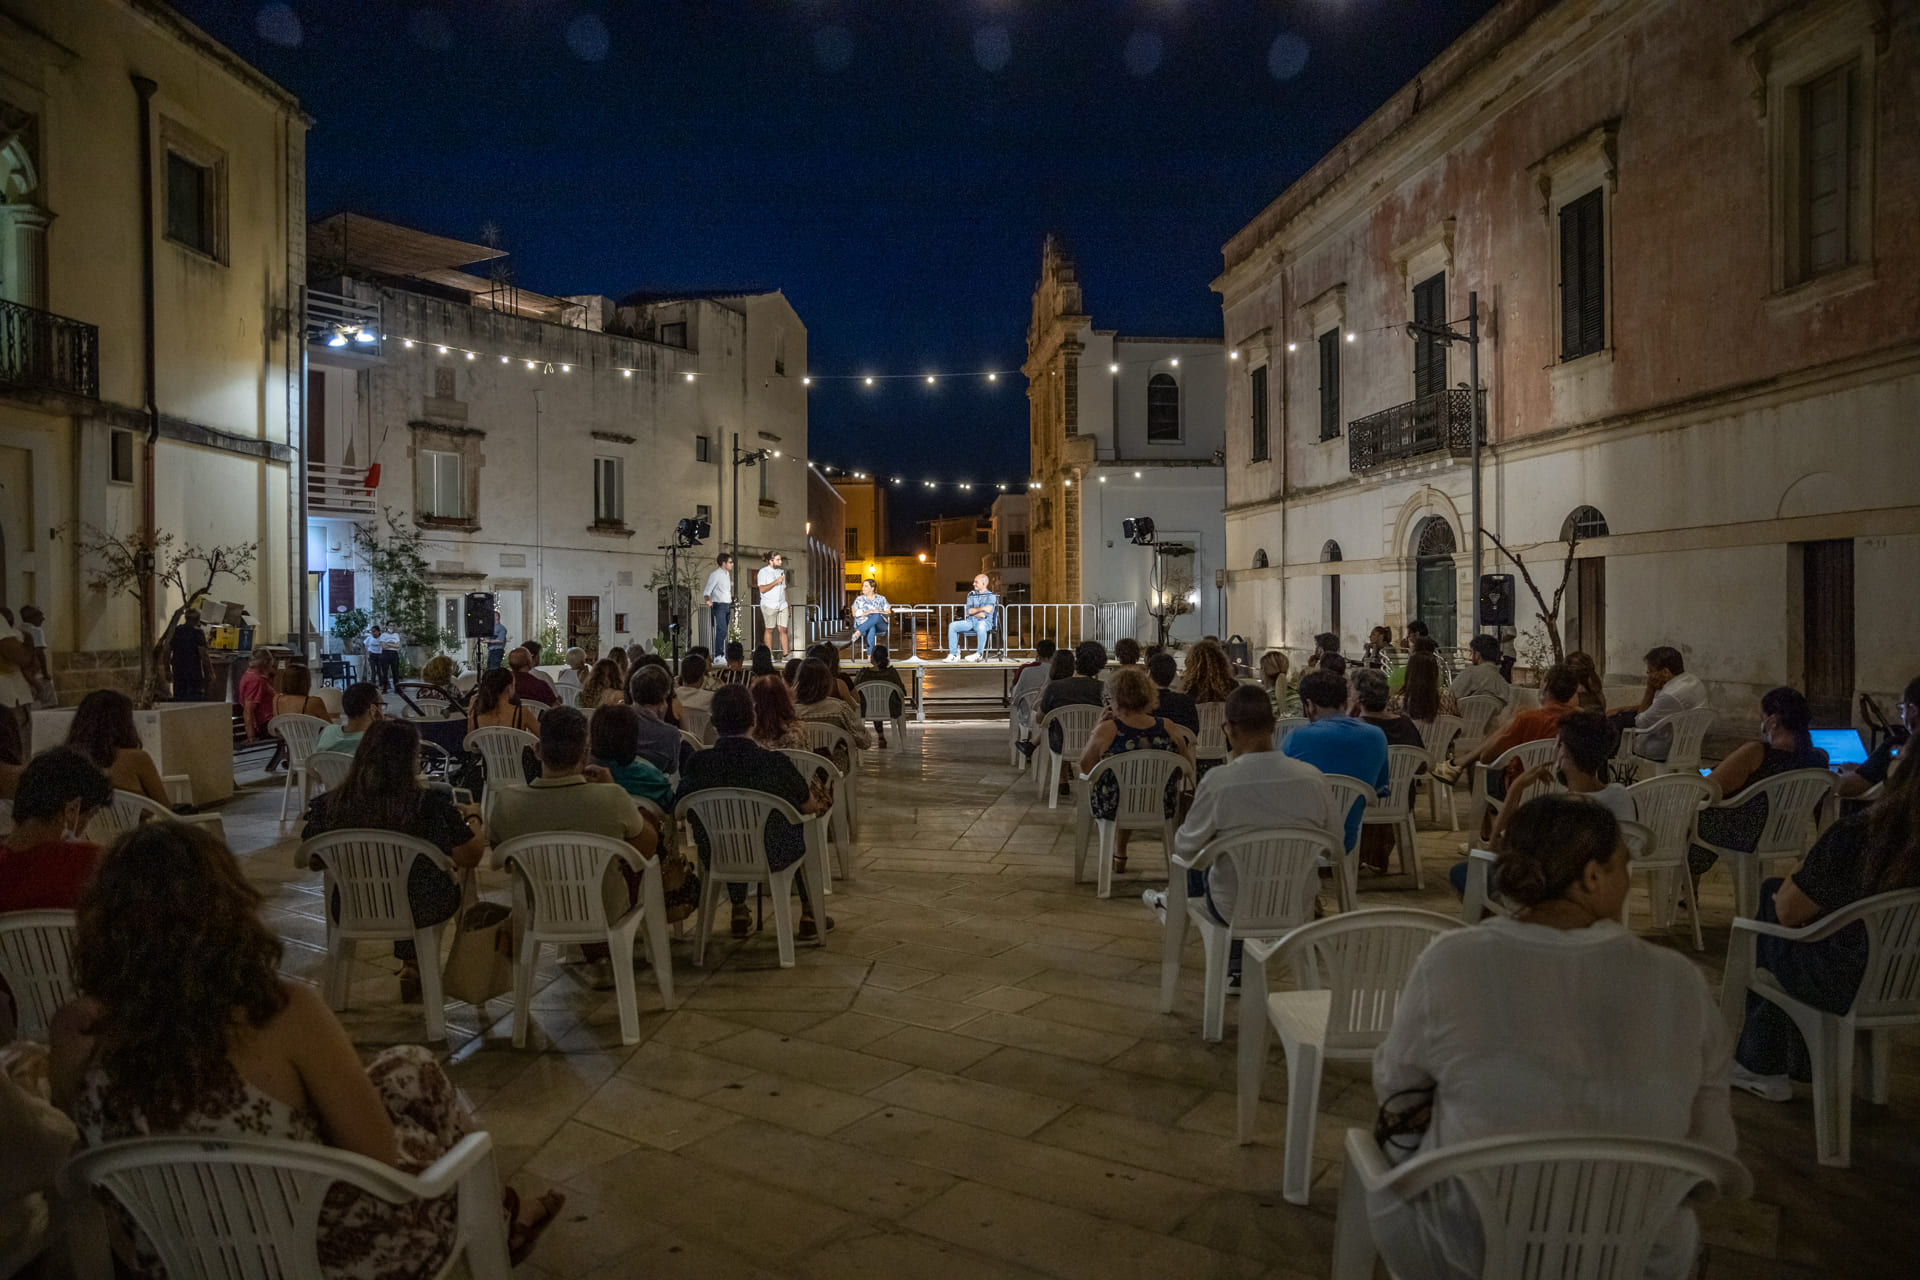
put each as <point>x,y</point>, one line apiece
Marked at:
<point>1689,226</point>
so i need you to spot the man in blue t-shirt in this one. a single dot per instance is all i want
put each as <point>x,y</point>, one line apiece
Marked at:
<point>982,608</point>
<point>1336,742</point>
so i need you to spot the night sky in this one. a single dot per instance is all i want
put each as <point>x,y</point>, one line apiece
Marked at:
<point>893,166</point>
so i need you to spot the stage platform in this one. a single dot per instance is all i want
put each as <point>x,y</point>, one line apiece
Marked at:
<point>936,679</point>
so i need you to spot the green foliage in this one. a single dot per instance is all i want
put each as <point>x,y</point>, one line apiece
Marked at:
<point>349,626</point>
<point>402,596</point>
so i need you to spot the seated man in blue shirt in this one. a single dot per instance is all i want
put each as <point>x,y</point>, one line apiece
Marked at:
<point>1335,742</point>
<point>982,608</point>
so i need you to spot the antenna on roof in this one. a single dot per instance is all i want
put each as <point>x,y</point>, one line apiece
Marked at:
<point>502,293</point>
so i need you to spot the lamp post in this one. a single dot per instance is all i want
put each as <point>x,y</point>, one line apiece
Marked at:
<point>1446,335</point>
<point>741,458</point>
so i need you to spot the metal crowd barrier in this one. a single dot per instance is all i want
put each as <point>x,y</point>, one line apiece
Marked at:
<point>1020,626</point>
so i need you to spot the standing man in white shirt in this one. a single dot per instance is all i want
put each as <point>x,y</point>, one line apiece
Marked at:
<point>717,595</point>
<point>772,582</point>
<point>1257,788</point>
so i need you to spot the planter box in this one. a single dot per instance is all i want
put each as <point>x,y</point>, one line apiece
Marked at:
<point>191,738</point>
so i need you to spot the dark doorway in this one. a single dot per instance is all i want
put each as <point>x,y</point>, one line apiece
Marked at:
<point>1436,588</point>
<point>1586,627</point>
<point>1826,604</point>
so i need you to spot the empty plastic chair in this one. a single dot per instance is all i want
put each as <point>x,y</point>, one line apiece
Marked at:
<point>1669,807</point>
<point>502,749</point>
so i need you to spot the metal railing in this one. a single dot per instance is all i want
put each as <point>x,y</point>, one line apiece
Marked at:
<point>1008,560</point>
<point>329,314</point>
<point>1439,423</point>
<point>338,491</point>
<point>1020,625</point>
<point>41,349</point>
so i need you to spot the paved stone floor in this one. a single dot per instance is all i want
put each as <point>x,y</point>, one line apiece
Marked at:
<point>971,1079</point>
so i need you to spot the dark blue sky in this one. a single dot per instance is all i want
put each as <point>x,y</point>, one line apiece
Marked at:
<point>892,164</point>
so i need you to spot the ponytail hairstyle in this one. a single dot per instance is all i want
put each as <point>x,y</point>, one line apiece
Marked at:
<point>1789,707</point>
<point>1549,842</point>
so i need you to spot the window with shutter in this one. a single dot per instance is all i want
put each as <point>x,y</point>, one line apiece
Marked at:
<point>1582,277</point>
<point>441,482</point>
<point>609,498</point>
<point>1163,409</point>
<point>1257,392</point>
<point>1429,356</point>
<point>1826,172</point>
<point>1330,384</point>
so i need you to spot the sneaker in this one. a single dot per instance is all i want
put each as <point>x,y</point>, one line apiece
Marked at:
<point>1156,902</point>
<point>1771,1088</point>
<point>1446,772</point>
<point>1024,747</point>
<point>972,657</point>
<point>953,657</point>
<point>1233,982</point>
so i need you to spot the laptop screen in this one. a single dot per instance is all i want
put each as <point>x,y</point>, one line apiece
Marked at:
<point>1843,746</point>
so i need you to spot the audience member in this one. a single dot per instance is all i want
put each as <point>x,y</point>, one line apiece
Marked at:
<point>257,694</point>
<point>1871,852</point>
<point>295,695</point>
<point>776,725</point>
<point>736,760</point>
<point>613,735</point>
<point>1671,689</point>
<point>762,664</point>
<point>692,692</point>
<point>1324,644</point>
<point>1586,675</point>
<point>1784,745</point>
<point>1126,651</point>
<point>103,731</point>
<point>880,669</point>
<point>1482,678</point>
<point>12,757</point>
<point>1371,706</point>
<point>362,705</point>
<point>1557,691</point>
<point>1256,789</point>
<point>1274,667</point>
<point>1421,699</point>
<point>602,687</point>
<point>1333,664</point>
<point>1082,688</point>
<point>1131,726</point>
<point>1335,742</point>
<point>576,660</point>
<point>656,740</point>
<point>733,671</point>
<point>1209,674</point>
<point>44,860</point>
<point>1593,1030</point>
<point>383,792</point>
<point>494,703</point>
<point>842,687</point>
<point>1179,708</point>
<point>1029,676</point>
<point>528,687</point>
<point>439,674</point>
<point>188,1027</point>
<point>791,672</point>
<point>817,702</point>
<point>1379,654</point>
<point>1856,780</point>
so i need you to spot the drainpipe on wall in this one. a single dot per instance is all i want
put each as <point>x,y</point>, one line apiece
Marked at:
<point>144,89</point>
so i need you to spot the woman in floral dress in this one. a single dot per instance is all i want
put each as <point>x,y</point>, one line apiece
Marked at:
<point>1131,726</point>
<point>188,1028</point>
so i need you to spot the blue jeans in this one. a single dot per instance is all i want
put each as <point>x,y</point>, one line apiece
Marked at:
<point>722,616</point>
<point>956,630</point>
<point>870,626</point>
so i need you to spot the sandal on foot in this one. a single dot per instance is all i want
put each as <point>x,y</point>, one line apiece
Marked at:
<point>522,1236</point>
<point>1119,864</point>
<point>742,922</point>
<point>808,929</point>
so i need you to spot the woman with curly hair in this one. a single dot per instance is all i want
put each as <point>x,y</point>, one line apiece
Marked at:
<point>776,724</point>
<point>103,731</point>
<point>187,1027</point>
<point>603,686</point>
<point>1209,675</point>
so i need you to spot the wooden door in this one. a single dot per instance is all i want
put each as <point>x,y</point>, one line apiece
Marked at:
<point>1586,623</point>
<point>1437,597</point>
<point>1827,639</point>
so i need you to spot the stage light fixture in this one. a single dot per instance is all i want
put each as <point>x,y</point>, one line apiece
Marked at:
<point>1138,530</point>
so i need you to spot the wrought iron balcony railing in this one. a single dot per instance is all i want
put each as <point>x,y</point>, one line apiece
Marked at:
<point>50,352</point>
<point>1440,423</point>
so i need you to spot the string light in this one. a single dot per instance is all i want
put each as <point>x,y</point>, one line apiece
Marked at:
<point>470,355</point>
<point>806,382</point>
<point>407,343</point>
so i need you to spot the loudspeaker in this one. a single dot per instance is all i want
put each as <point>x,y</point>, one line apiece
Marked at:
<point>479,615</point>
<point>1496,599</point>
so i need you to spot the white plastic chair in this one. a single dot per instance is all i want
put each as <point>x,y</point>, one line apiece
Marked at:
<point>1668,806</point>
<point>1347,792</point>
<point>876,703</point>
<point>1020,717</point>
<point>1286,725</point>
<point>1142,778</point>
<point>698,722</point>
<point>1349,970</point>
<point>1476,714</point>
<point>1077,722</point>
<point>250,1207</point>
<point>1528,754</point>
<point>1792,800</point>
<point>1888,998</point>
<point>734,821</point>
<point>1549,1206</point>
<point>1477,900</point>
<point>839,829</point>
<point>558,897</point>
<point>566,687</point>
<point>1276,878</point>
<point>1439,734</point>
<point>369,869</point>
<point>1395,809</point>
<point>1689,729</point>
<point>329,768</point>
<point>1212,742</point>
<point>299,733</point>
<point>36,963</point>
<point>825,738</point>
<point>501,747</point>
<point>130,809</point>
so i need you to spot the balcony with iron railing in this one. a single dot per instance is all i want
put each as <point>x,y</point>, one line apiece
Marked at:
<point>338,491</point>
<point>1438,425</point>
<point>46,352</point>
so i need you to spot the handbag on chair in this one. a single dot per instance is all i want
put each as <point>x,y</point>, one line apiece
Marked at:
<point>480,966</point>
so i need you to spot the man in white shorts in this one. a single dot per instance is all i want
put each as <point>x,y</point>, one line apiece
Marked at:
<point>772,581</point>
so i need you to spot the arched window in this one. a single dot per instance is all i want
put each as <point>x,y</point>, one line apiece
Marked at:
<point>1163,409</point>
<point>1331,551</point>
<point>1260,558</point>
<point>1583,523</point>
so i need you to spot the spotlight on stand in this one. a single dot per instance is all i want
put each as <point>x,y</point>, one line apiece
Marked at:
<point>1138,530</point>
<point>693,530</point>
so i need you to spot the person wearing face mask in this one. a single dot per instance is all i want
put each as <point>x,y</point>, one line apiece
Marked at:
<point>44,862</point>
<point>1783,746</point>
<point>1579,765</point>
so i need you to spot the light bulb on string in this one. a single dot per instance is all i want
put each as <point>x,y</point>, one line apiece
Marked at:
<point>993,377</point>
<point>407,343</point>
<point>470,355</point>
<point>1175,362</point>
<point>869,381</point>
